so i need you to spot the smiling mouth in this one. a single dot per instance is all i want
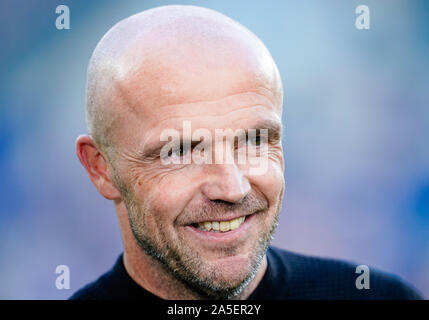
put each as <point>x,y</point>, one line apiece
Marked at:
<point>220,226</point>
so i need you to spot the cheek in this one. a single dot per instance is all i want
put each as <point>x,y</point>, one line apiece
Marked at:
<point>271,184</point>
<point>164,195</point>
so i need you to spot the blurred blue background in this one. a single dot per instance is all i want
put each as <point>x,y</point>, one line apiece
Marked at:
<point>356,136</point>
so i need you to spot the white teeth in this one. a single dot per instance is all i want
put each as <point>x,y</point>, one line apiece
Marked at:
<point>234,224</point>
<point>222,226</point>
<point>208,226</point>
<point>215,225</point>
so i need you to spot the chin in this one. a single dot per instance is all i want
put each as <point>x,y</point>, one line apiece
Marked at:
<point>228,272</point>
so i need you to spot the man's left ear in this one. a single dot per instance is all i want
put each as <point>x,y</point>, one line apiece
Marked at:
<point>96,166</point>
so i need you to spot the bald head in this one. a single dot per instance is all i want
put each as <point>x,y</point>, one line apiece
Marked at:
<point>173,55</point>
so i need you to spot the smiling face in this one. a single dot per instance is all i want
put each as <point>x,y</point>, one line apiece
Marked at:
<point>166,203</point>
<point>207,224</point>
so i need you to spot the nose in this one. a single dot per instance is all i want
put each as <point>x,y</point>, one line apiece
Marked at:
<point>225,182</point>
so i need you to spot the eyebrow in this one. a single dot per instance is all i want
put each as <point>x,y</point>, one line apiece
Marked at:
<point>274,135</point>
<point>274,128</point>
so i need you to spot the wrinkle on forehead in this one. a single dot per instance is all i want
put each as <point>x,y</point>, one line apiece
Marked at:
<point>174,55</point>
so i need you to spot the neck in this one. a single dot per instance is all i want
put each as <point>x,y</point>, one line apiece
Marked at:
<point>151,275</point>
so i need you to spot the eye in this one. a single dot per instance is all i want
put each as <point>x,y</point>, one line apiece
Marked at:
<point>254,140</point>
<point>177,152</point>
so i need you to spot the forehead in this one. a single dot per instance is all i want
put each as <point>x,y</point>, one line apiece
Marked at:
<point>235,109</point>
<point>185,73</point>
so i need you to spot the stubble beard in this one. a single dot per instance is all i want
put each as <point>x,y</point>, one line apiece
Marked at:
<point>181,261</point>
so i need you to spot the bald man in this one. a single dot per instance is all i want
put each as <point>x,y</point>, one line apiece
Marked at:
<point>196,223</point>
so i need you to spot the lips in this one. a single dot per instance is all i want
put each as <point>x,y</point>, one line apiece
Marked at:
<point>214,237</point>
